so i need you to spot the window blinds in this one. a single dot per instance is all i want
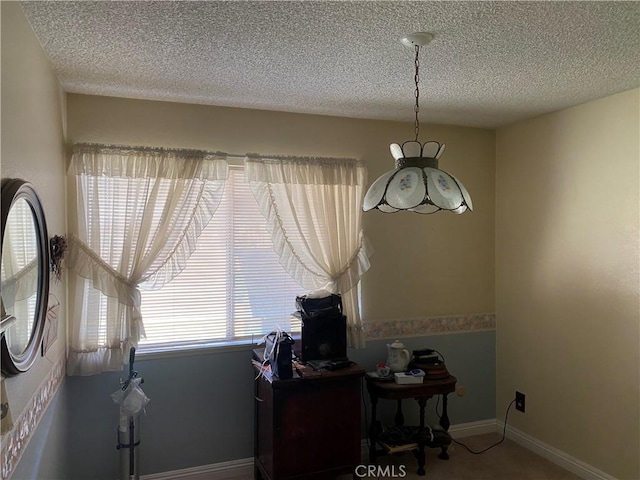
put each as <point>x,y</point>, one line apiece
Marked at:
<point>233,286</point>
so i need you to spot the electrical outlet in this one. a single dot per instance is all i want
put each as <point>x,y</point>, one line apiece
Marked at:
<point>520,401</point>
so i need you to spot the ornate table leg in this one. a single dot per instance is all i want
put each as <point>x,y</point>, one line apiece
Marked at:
<point>422,402</point>
<point>420,456</point>
<point>445,424</point>
<point>373,429</point>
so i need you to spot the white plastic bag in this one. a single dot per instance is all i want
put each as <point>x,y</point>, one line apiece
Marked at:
<point>132,399</point>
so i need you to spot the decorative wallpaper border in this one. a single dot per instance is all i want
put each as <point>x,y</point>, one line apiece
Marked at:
<point>15,441</point>
<point>443,325</point>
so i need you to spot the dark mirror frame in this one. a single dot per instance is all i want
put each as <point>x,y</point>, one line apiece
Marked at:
<point>14,189</point>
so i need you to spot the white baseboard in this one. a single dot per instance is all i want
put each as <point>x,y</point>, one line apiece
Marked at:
<point>469,429</point>
<point>554,455</point>
<point>241,469</point>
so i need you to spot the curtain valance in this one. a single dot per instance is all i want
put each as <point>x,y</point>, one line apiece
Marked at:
<point>146,162</point>
<point>305,170</point>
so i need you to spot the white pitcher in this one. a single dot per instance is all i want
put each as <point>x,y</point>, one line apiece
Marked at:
<point>398,356</point>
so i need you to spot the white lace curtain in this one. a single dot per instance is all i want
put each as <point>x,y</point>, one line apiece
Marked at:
<point>313,208</point>
<point>140,211</point>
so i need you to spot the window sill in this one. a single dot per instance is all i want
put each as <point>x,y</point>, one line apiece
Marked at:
<point>156,352</point>
<point>152,353</point>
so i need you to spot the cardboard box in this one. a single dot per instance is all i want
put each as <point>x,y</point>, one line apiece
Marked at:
<point>403,378</point>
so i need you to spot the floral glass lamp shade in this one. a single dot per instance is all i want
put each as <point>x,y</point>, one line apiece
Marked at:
<point>417,184</point>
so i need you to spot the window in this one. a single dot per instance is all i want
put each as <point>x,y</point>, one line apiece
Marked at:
<point>142,212</point>
<point>233,287</point>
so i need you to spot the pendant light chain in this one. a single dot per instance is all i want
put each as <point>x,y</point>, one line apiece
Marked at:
<point>416,184</point>
<point>416,109</point>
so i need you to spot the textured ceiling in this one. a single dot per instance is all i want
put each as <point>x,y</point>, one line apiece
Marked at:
<point>490,64</point>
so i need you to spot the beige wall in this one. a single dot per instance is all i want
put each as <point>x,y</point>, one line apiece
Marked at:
<point>422,265</point>
<point>33,123</point>
<point>567,280</point>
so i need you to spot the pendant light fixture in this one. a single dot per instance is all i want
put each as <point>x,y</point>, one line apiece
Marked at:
<point>417,184</point>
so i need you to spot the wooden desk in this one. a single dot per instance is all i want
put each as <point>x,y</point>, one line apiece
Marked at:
<point>308,427</point>
<point>421,392</point>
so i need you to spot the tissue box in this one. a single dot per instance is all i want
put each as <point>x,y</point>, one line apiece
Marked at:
<point>403,378</point>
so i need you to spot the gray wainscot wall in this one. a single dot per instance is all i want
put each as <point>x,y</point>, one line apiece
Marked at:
<point>201,409</point>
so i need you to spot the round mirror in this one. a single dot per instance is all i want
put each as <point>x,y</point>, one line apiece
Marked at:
<point>24,275</point>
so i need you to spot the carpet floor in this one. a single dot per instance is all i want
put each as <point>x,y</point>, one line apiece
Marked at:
<point>507,461</point>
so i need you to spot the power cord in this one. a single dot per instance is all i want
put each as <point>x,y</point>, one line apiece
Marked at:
<point>504,431</point>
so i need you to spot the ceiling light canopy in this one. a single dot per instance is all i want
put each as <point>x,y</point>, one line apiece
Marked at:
<point>417,184</point>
